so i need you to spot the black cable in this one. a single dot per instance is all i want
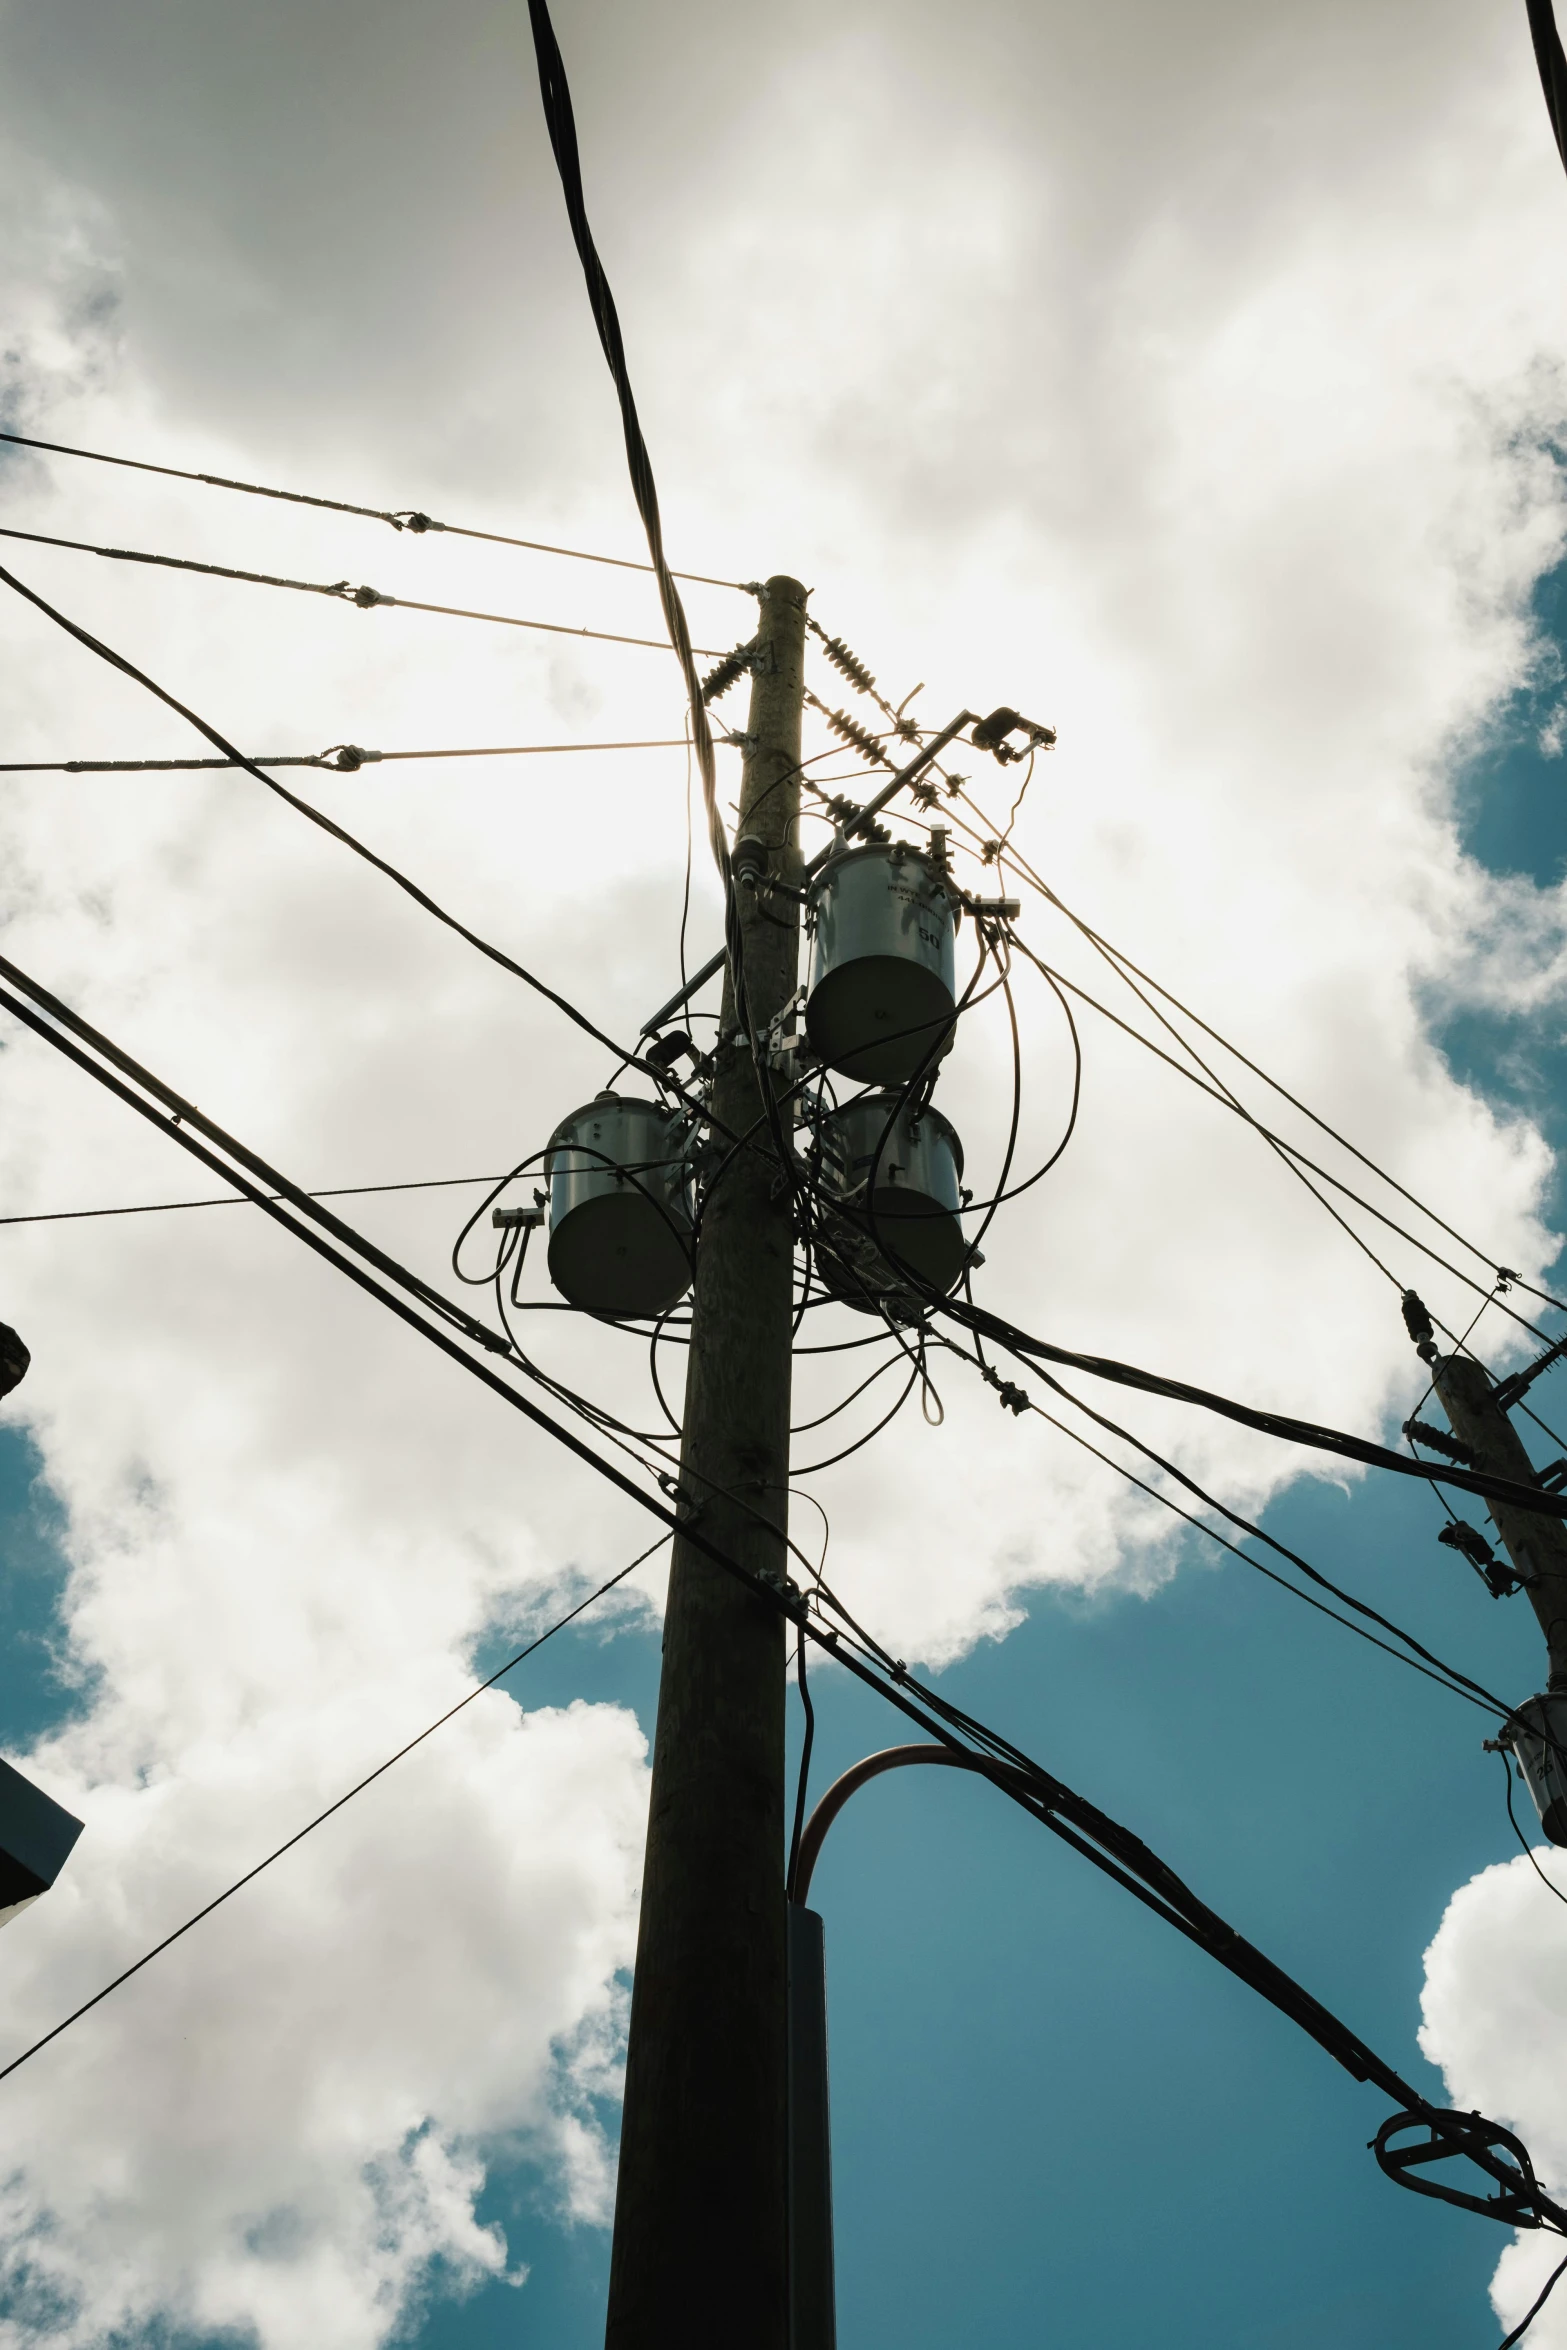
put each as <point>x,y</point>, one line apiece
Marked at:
<point>804,1427</point>
<point>340,591</point>
<point>1258,1566</point>
<point>806,1743</point>
<point>163,1207</point>
<point>358,1789</point>
<point>811,1468</point>
<point>404,519</point>
<point>685,887</point>
<point>1459,1681</point>
<point>324,822</point>
<point>1553,81</point>
<point>1529,1851</point>
<point>1309,1433</point>
<point>556,95</point>
<point>340,759</point>
<point>1535,2308</point>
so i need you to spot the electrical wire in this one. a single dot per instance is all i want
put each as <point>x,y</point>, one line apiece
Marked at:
<point>163,1207</point>
<point>1431,1669</point>
<point>404,519</point>
<point>1535,2307</point>
<point>339,759</point>
<point>813,1468</point>
<point>1528,1848</point>
<point>327,824</point>
<point>341,591</point>
<point>1020,866</point>
<point>1460,1682</point>
<point>1289,1151</point>
<point>321,1817</point>
<point>803,1781</point>
<point>1104,1842</point>
<point>1553,81</point>
<point>555,93</point>
<point>1070,1817</point>
<point>1310,1433</point>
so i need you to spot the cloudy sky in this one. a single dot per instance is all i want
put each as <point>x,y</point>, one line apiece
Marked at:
<point>1190,378</point>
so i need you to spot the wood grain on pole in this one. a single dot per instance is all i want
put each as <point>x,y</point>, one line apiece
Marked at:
<point>700,2243</point>
<point>1536,1545</point>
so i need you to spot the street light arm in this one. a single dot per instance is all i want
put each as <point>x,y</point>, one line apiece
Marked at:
<point>891,1758</point>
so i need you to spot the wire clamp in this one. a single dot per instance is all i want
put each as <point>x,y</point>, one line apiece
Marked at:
<point>1519,2201</point>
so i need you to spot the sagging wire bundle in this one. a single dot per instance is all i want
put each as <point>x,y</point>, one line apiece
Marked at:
<point>1499,2156</point>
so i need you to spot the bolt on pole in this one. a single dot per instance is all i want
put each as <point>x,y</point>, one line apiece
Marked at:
<point>700,2253</point>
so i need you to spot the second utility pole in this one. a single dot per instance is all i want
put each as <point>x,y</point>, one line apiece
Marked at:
<point>701,2222</point>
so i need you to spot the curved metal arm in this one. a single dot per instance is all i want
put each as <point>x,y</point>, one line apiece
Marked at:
<point>891,1758</point>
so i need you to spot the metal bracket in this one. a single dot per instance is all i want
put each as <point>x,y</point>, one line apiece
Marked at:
<point>1519,2201</point>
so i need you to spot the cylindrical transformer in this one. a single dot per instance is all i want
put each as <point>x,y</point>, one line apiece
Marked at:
<point>892,1219</point>
<point>882,963</point>
<point>619,1176</point>
<point>1539,1749</point>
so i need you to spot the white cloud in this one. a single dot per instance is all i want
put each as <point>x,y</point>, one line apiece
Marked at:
<point>1184,383</point>
<point>1493,2022</point>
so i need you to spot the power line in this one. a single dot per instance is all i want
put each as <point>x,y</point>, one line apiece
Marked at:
<point>342,591</point>
<point>1293,1156</point>
<point>1311,1433</point>
<point>310,1826</point>
<point>555,93</point>
<point>1433,1668</point>
<point>337,759</point>
<point>405,518</point>
<point>1026,872</point>
<point>1553,79</point>
<point>326,824</point>
<point>1110,1847</point>
<point>163,1207</point>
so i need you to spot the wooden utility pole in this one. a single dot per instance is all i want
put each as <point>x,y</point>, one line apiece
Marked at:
<point>701,2223</point>
<point>1537,1545</point>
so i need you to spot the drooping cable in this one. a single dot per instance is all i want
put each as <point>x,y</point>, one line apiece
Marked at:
<point>1535,2307</point>
<point>807,1741</point>
<point>1553,77</point>
<point>406,518</point>
<point>1460,1682</point>
<point>1016,1401</point>
<point>1311,1433</point>
<point>321,1817</point>
<point>1528,1848</point>
<point>341,591</point>
<point>560,121</point>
